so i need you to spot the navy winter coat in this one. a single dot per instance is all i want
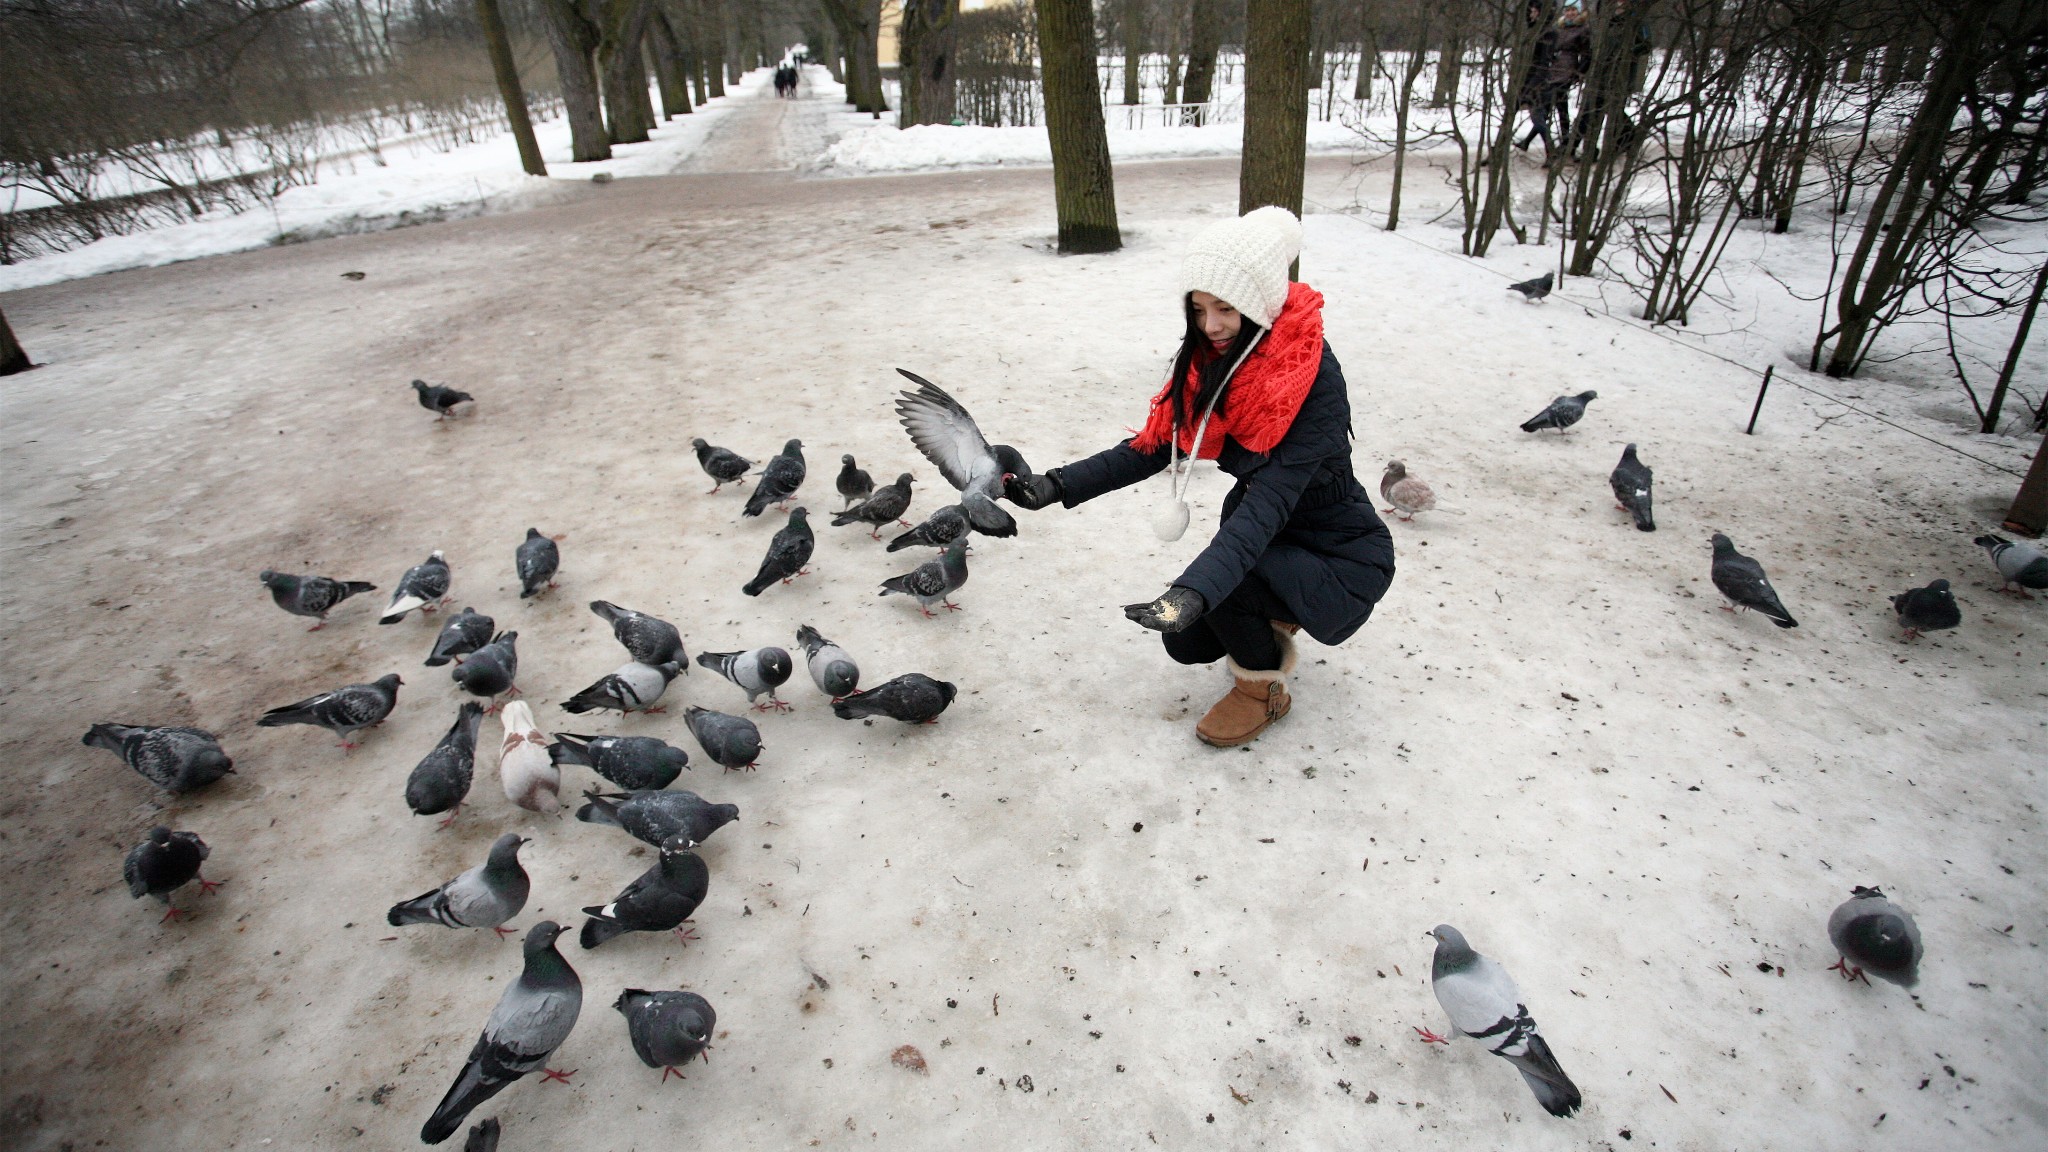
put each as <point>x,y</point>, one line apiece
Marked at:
<point>1298,517</point>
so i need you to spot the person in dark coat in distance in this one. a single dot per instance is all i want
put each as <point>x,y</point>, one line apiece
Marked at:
<point>1256,389</point>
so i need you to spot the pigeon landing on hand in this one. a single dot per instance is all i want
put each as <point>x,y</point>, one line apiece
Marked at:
<point>934,581</point>
<point>423,586</point>
<point>343,711</point>
<point>1742,581</point>
<point>536,560</point>
<point>653,817</point>
<point>486,896</point>
<point>313,596</point>
<point>759,672</point>
<point>527,772</point>
<point>1482,1001</point>
<point>1537,289</point>
<point>668,1029</point>
<point>787,553</point>
<point>440,400</point>
<point>1929,609</point>
<point>164,863</point>
<point>631,687</point>
<point>465,632</point>
<point>441,779</point>
<point>532,1019</point>
<point>658,901</point>
<point>648,639</point>
<point>2018,563</point>
<point>177,760</point>
<point>635,763</point>
<point>887,503</point>
<point>732,742</point>
<point>1631,483</point>
<point>723,465</point>
<point>913,698</point>
<point>1564,411</point>
<point>938,530</point>
<point>1872,934</point>
<point>491,670</point>
<point>854,485</point>
<point>1406,494</point>
<point>831,668</point>
<point>780,479</point>
<point>949,438</point>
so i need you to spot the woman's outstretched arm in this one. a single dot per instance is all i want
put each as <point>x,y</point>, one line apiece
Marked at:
<point>1085,479</point>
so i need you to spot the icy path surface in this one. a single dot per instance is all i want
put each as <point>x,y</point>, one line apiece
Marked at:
<point>765,132</point>
<point>1549,735</point>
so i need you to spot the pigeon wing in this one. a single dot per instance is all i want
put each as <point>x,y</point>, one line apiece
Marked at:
<point>943,431</point>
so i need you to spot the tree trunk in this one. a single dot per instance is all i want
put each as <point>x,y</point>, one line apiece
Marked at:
<point>2029,513</point>
<point>507,72</point>
<point>1084,185</point>
<point>1404,104</point>
<point>624,72</point>
<point>574,40</point>
<point>671,66</point>
<point>1450,62</point>
<point>12,358</point>
<point>1134,48</point>
<point>1275,104</point>
<point>715,49</point>
<point>924,60</point>
<point>1205,31</point>
<point>2012,355</point>
<point>1368,55</point>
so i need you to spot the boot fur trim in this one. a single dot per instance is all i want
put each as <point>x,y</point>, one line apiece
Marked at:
<point>1265,675</point>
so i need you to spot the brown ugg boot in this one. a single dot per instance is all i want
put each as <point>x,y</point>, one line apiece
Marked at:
<point>1255,700</point>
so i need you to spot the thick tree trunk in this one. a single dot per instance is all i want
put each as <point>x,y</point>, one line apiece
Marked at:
<point>1205,31</point>
<point>715,47</point>
<point>925,61</point>
<point>1275,104</point>
<point>507,71</point>
<point>1084,186</point>
<point>624,71</point>
<point>574,40</point>
<point>671,65</point>
<point>2028,515</point>
<point>12,358</point>
<point>1450,64</point>
<point>1134,48</point>
<point>1368,54</point>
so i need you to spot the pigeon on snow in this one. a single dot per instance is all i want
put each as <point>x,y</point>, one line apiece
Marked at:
<point>631,687</point>
<point>652,817</point>
<point>631,762</point>
<point>1482,1001</point>
<point>313,596</point>
<point>648,639</point>
<point>343,711</point>
<point>913,698</point>
<point>1564,411</point>
<point>525,769</point>
<point>174,759</point>
<point>423,586</point>
<point>759,672</point>
<point>164,863</point>
<point>659,900</point>
<point>532,1019</point>
<point>668,1029</point>
<point>949,438</point>
<point>887,503</point>
<point>491,670</point>
<point>832,670</point>
<point>1742,581</point>
<point>2018,562</point>
<point>938,530</point>
<point>1537,289</point>
<point>788,552</point>
<point>1929,609</point>
<point>854,485</point>
<point>780,479</point>
<point>731,741</point>
<point>1872,934</point>
<point>1631,483</point>
<point>465,632</point>
<point>721,464</point>
<point>1406,494</point>
<point>934,581</point>
<point>536,560</point>
<point>441,779</point>
<point>440,400</point>
<point>486,896</point>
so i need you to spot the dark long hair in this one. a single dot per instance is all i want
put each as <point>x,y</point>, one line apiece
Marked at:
<point>1195,349</point>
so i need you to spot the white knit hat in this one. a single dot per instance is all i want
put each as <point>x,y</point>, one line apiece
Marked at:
<point>1244,262</point>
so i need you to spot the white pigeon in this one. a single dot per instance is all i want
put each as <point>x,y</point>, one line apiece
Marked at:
<point>529,774</point>
<point>1482,1001</point>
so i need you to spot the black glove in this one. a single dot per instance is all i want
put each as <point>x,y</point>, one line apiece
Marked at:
<point>1034,492</point>
<point>1173,612</point>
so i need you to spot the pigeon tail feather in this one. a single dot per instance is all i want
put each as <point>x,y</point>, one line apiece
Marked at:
<point>1554,1090</point>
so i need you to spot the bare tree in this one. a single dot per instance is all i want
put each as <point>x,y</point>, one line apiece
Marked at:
<point>507,70</point>
<point>574,36</point>
<point>926,61</point>
<point>1275,104</point>
<point>1084,185</point>
<point>12,358</point>
<point>1205,33</point>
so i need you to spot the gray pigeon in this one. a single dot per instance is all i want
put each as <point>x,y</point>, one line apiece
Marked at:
<point>723,465</point>
<point>1483,1003</point>
<point>938,530</point>
<point>423,586</point>
<point>758,672</point>
<point>934,581</point>
<point>887,503</point>
<point>313,596</point>
<point>491,670</point>
<point>1742,580</point>
<point>853,484</point>
<point>949,438</point>
<point>648,639</point>
<point>343,711</point>
<point>832,669</point>
<point>532,1019</point>
<point>484,897</point>
<point>536,559</point>
<point>1537,289</point>
<point>731,741</point>
<point>658,901</point>
<point>2018,563</point>
<point>1631,483</point>
<point>651,817</point>
<point>631,687</point>
<point>668,1029</point>
<point>1872,934</point>
<point>465,632</point>
<point>780,479</point>
<point>164,863</point>
<point>635,763</point>
<point>441,779</point>
<point>174,759</point>
<point>438,399</point>
<point>913,698</point>
<point>787,554</point>
<point>1563,412</point>
<point>1929,609</point>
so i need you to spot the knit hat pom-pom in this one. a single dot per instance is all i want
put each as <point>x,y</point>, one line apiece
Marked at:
<point>1244,262</point>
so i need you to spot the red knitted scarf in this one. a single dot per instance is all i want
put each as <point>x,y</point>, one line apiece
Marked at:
<point>1260,402</point>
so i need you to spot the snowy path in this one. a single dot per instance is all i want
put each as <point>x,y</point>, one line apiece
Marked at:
<point>765,132</point>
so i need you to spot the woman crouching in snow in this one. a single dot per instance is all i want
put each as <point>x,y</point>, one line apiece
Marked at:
<point>1255,389</point>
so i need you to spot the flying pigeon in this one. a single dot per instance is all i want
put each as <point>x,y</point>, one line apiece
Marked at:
<point>780,478</point>
<point>465,632</point>
<point>491,670</point>
<point>527,772</point>
<point>731,741</point>
<point>1564,411</point>
<point>668,1029</point>
<point>486,896</point>
<point>832,669</point>
<point>934,581</point>
<point>634,763</point>
<point>1872,934</point>
<point>853,484</point>
<point>441,779</point>
<point>536,560</point>
<point>1482,1001</point>
<point>164,863</point>
<point>439,400</point>
<point>913,698</point>
<point>721,464</point>
<point>948,437</point>
<point>1929,609</point>
<point>1742,580</point>
<point>631,687</point>
<point>648,640</point>
<point>787,554</point>
<point>1631,483</point>
<point>652,817</point>
<point>423,586</point>
<point>343,711</point>
<point>887,503</point>
<point>313,596</point>
<point>2018,562</point>
<point>1407,494</point>
<point>658,901</point>
<point>531,1020</point>
<point>761,671</point>
<point>1537,289</point>
<point>938,530</point>
<point>174,759</point>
